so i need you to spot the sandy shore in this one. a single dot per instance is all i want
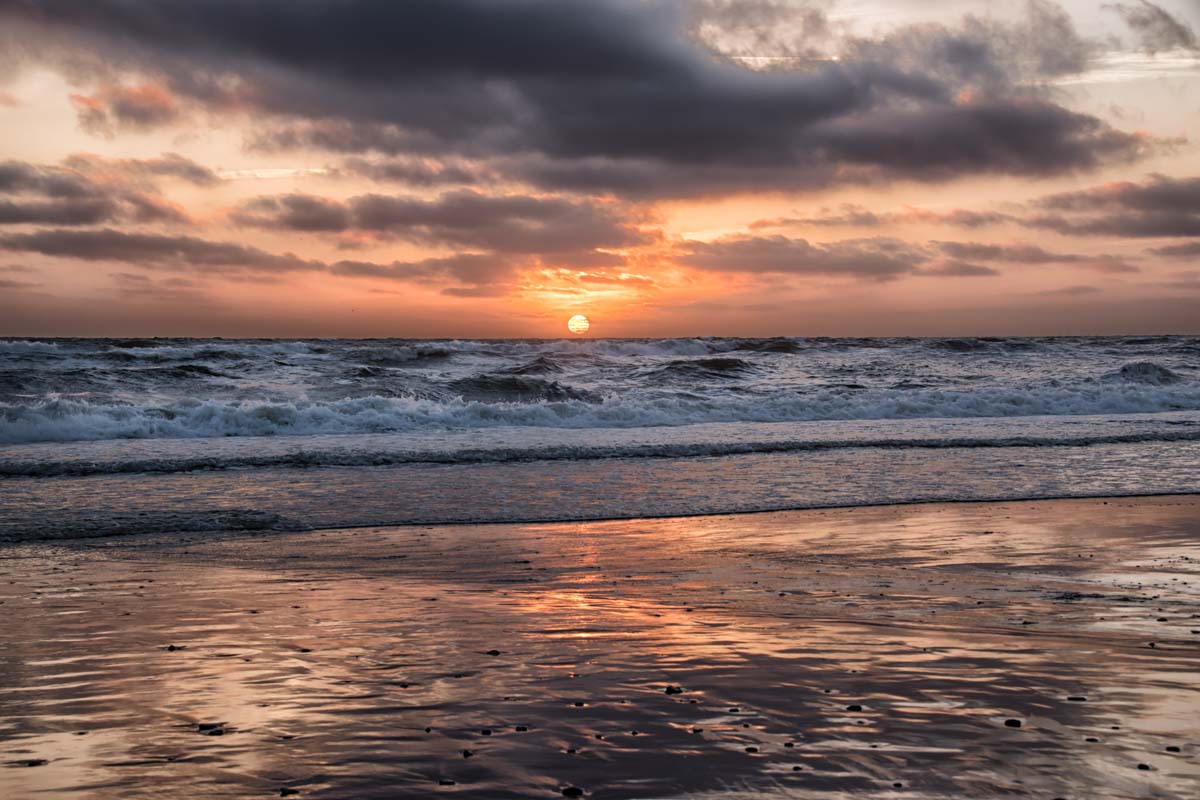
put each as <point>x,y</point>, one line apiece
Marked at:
<point>860,652</point>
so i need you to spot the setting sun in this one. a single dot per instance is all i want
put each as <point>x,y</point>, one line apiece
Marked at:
<point>578,324</point>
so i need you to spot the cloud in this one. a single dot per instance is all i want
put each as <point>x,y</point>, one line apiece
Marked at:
<point>418,171</point>
<point>472,268</point>
<point>1155,28</point>
<point>1013,253</point>
<point>1159,206</point>
<point>89,190</point>
<point>463,219</point>
<point>876,259</point>
<point>631,98</point>
<point>1186,250</point>
<point>959,269</point>
<point>856,216</point>
<point>1033,254</point>
<point>153,250</point>
<point>123,108</point>
<point>1069,291</point>
<point>229,259</point>
<point>168,165</point>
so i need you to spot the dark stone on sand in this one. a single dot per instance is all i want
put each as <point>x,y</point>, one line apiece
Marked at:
<point>445,782</point>
<point>35,762</point>
<point>751,749</point>
<point>1172,748</point>
<point>428,730</point>
<point>854,707</point>
<point>305,649</point>
<point>789,744</point>
<point>734,710</point>
<point>897,785</point>
<point>1161,619</point>
<point>1012,723</point>
<point>797,769</point>
<point>486,732</point>
<point>673,690</point>
<point>286,792</point>
<point>572,791</point>
<point>521,729</point>
<point>493,652</point>
<point>1143,766</point>
<point>697,730</point>
<point>467,753</point>
<point>172,648</point>
<point>1075,698</point>
<point>1091,739</point>
<point>571,751</point>
<point>599,735</point>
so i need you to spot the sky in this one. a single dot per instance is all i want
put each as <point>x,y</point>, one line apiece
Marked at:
<point>489,168</point>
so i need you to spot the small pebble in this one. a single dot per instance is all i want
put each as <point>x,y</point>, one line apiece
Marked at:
<point>572,791</point>
<point>1143,766</point>
<point>751,749</point>
<point>855,707</point>
<point>1171,748</point>
<point>1012,723</point>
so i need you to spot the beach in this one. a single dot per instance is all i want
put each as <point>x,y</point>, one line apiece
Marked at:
<point>1038,648</point>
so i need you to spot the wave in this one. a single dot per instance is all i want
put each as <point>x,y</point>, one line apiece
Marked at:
<point>518,389</point>
<point>711,368</point>
<point>561,452</point>
<point>1146,372</point>
<point>509,400</point>
<point>20,347</point>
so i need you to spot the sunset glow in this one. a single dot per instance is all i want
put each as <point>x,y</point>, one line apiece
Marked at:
<point>781,174</point>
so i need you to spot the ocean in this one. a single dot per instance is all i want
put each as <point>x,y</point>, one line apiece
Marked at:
<point>107,436</point>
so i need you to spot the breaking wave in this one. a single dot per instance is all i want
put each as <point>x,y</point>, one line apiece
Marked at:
<point>512,400</point>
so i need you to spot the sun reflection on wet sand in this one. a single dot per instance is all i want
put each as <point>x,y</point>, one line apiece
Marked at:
<point>825,653</point>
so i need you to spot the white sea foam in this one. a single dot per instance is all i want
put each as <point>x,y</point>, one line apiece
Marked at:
<point>73,419</point>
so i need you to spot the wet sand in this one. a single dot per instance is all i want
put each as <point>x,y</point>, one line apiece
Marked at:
<point>884,652</point>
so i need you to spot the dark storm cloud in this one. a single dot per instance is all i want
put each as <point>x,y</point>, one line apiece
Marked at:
<point>865,259</point>
<point>599,95</point>
<point>1155,28</point>
<point>144,249</point>
<point>503,223</point>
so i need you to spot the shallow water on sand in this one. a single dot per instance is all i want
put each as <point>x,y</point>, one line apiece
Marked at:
<point>817,654</point>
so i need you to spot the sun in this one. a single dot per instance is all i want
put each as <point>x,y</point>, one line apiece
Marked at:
<point>578,324</point>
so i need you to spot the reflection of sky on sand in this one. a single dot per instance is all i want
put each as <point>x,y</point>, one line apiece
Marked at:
<point>885,645</point>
